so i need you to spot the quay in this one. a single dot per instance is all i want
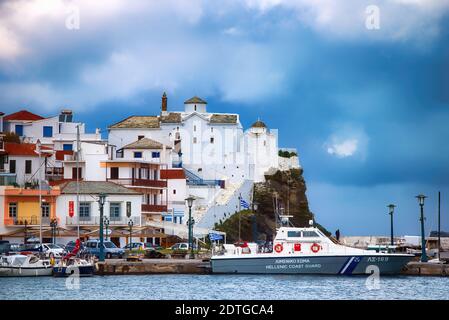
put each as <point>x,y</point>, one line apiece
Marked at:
<point>200,266</point>
<point>426,269</point>
<point>153,266</point>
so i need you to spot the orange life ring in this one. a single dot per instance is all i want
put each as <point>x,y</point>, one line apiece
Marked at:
<point>315,247</point>
<point>278,248</point>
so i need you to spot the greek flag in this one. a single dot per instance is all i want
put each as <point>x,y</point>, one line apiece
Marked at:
<point>244,204</point>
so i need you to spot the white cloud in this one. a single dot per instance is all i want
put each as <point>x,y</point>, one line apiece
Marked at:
<point>348,140</point>
<point>344,149</point>
<point>399,19</point>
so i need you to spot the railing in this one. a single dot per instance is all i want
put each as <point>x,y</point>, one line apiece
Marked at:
<point>154,208</point>
<point>140,182</point>
<point>29,221</point>
<point>193,179</point>
<point>95,221</point>
<point>7,179</point>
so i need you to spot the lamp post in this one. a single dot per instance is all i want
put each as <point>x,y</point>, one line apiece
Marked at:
<point>106,224</point>
<point>53,225</point>
<point>391,207</point>
<point>130,224</point>
<point>101,201</point>
<point>421,199</point>
<point>26,232</point>
<point>190,223</point>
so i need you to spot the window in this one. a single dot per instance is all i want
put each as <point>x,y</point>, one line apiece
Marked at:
<point>114,173</point>
<point>12,166</point>
<point>194,128</point>
<point>13,210</point>
<point>67,147</point>
<point>45,210</point>
<point>84,210</point>
<point>309,234</point>
<point>114,211</point>
<point>28,168</point>
<point>212,140</point>
<point>212,129</point>
<point>47,131</point>
<point>140,137</point>
<point>174,191</point>
<point>19,130</point>
<point>77,174</point>
<point>194,108</point>
<point>155,154</point>
<point>138,154</point>
<point>194,139</point>
<point>294,234</point>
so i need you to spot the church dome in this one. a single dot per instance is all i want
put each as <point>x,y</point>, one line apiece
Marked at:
<point>259,124</point>
<point>195,99</point>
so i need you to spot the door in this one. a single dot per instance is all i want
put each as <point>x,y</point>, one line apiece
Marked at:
<point>114,173</point>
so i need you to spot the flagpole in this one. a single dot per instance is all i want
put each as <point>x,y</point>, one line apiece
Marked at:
<point>240,214</point>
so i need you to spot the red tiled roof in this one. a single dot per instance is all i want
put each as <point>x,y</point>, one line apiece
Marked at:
<point>23,115</point>
<point>61,153</point>
<point>23,149</point>
<point>173,174</point>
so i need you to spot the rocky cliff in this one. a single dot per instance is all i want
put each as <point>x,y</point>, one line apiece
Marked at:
<point>289,188</point>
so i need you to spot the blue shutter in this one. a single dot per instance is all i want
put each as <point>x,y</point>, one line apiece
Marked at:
<point>48,131</point>
<point>19,130</point>
<point>67,147</point>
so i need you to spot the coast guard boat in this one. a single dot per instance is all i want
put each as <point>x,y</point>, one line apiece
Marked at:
<point>305,251</point>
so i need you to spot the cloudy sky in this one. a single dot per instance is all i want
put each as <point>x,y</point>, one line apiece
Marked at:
<point>363,97</point>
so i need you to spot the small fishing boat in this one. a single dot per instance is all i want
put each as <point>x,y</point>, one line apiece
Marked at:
<point>70,264</point>
<point>19,265</point>
<point>74,266</point>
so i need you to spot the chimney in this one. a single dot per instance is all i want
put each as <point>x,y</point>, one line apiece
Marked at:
<point>164,103</point>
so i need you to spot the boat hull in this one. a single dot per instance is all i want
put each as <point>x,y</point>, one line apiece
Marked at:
<point>25,271</point>
<point>82,271</point>
<point>331,265</point>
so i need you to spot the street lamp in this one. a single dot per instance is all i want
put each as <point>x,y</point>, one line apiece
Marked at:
<point>130,224</point>
<point>53,225</point>
<point>106,224</point>
<point>190,224</point>
<point>421,199</point>
<point>101,201</point>
<point>391,207</point>
<point>43,202</point>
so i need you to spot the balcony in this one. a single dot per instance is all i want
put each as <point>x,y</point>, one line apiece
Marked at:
<point>95,221</point>
<point>7,179</point>
<point>154,208</point>
<point>54,173</point>
<point>140,182</point>
<point>29,221</point>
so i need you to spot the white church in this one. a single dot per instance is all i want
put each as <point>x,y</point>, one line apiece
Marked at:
<point>221,160</point>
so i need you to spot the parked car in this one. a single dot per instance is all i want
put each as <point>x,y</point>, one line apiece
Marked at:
<point>52,249</point>
<point>110,249</point>
<point>5,247</point>
<point>182,246</point>
<point>71,245</point>
<point>149,249</point>
<point>142,246</point>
